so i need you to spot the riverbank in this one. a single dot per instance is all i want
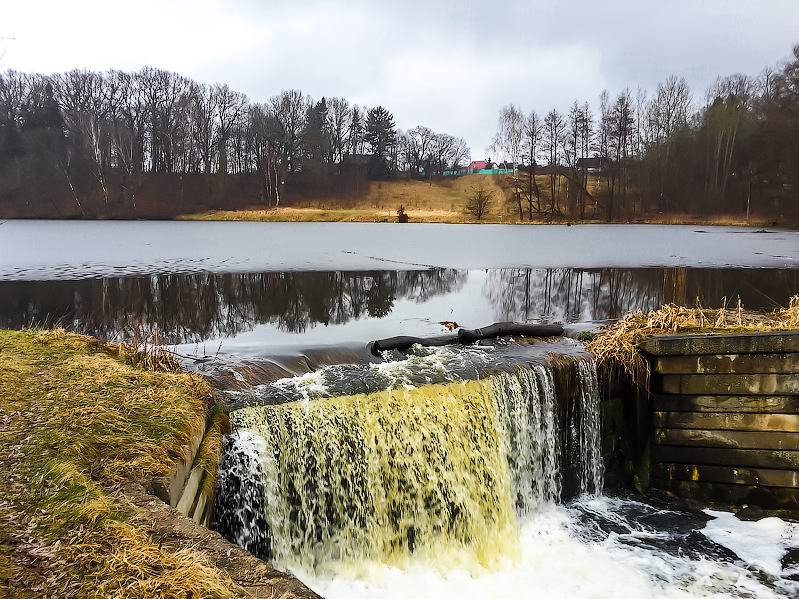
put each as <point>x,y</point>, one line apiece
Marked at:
<point>445,201</point>
<point>366,215</point>
<point>83,424</point>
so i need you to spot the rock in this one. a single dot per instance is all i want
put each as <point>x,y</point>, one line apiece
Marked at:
<point>751,513</point>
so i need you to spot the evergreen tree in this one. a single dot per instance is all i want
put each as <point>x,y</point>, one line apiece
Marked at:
<point>381,136</point>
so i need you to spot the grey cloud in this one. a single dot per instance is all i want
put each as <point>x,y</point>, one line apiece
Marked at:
<point>448,65</point>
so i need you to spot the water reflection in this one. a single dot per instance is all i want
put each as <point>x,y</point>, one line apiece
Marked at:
<point>580,295</point>
<point>194,308</point>
<point>202,307</point>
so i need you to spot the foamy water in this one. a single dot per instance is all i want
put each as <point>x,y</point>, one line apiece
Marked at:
<point>564,553</point>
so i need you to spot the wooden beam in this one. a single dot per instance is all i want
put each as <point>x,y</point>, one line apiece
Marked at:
<point>715,456</point>
<point>727,384</point>
<point>733,343</point>
<point>731,439</point>
<point>728,475</point>
<point>728,364</point>
<point>788,423</point>
<point>763,404</point>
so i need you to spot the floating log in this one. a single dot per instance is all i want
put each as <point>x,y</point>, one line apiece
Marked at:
<point>403,342</point>
<point>498,329</point>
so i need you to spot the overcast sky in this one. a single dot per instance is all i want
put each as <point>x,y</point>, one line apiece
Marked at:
<point>447,65</point>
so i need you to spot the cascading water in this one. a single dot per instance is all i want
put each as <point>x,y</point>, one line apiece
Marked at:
<point>589,430</point>
<point>449,476</point>
<point>440,467</point>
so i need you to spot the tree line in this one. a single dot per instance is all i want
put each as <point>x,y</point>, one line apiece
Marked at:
<point>94,135</point>
<point>732,151</point>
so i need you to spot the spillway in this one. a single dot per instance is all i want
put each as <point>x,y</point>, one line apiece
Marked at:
<point>456,472</point>
<point>411,469</point>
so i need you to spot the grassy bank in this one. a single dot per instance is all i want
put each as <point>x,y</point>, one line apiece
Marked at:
<point>437,201</point>
<point>78,419</point>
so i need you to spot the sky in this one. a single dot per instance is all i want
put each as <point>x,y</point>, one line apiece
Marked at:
<point>447,65</point>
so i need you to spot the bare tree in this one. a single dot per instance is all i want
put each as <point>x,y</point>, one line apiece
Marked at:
<point>667,115</point>
<point>531,145</point>
<point>508,142</point>
<point>480,200</point>
<point>553,142</point>
<point>339,120</point>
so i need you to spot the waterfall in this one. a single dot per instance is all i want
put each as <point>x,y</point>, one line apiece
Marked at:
<point>448,466</point>
<point>589,430</point>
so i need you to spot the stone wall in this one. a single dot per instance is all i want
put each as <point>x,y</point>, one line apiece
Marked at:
<point>725,417</point>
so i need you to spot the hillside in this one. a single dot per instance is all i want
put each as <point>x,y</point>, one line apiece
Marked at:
<point>441,200</point>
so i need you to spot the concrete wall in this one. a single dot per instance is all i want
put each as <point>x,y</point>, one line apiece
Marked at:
<point>725,417</point>
<point>190,486</point>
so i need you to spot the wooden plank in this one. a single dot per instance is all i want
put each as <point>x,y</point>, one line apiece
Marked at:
<point>715,456</point>
<point>731,439</point>
<point>727,384</point>
<point>727,474</point>
<point>734,343</point>
<point>788,423</point>
<point>728,364</point>
<point>773,498</point>
<point>762,404</point>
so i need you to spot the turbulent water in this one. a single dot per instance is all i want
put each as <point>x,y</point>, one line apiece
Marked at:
<point>407,470</point>
<point>457,473</point>
<point>593,547</point>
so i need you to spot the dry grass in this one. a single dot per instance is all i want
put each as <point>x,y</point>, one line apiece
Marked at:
<point>438,201</point>
<point>617,345</point>
<point>444,201</point>
<point>77,419</point>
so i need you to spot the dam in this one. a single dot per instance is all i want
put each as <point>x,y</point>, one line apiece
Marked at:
<point>488,462</point>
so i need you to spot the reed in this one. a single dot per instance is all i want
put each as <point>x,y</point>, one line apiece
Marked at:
<point>618,344</point>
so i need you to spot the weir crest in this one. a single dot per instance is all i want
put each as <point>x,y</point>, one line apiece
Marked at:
<point>450,465</point>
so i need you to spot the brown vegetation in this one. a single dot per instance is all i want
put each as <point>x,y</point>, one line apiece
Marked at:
<point>617,345</point>
<point>78,420</point>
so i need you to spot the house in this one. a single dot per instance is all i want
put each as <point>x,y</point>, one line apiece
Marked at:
<point>482,167</point>
<point>597,164</point>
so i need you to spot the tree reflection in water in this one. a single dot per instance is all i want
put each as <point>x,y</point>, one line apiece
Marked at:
<point>193,308</point>
<point>196,308</point>
<point>567,294</point>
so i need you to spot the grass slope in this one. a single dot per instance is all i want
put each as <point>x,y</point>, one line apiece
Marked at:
<point>444,201</point>
<point>439,201</point>
<point>79,418</point>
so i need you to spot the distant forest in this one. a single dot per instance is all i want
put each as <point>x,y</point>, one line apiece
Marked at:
<point>156,144</point>
<point>733,152</point>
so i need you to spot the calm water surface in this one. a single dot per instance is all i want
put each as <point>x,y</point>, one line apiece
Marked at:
<point>252,287</point>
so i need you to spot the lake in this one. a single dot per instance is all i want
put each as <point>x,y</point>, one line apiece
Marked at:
<point>254,288</point>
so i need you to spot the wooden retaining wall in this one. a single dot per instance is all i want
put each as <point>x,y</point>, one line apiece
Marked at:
<point>725,417</point>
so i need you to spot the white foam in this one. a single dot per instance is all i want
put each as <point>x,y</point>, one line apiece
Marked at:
<point>308,386</point>
<point>555,561</point>
<point>760,544</point>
